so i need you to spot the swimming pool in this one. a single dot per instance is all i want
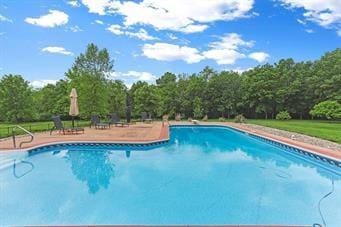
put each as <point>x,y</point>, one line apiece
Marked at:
<point>203,175</point>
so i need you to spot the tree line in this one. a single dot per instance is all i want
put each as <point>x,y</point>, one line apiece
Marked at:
<point>301,89</point>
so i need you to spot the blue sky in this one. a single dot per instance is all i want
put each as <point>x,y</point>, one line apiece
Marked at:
<point>40,39</point>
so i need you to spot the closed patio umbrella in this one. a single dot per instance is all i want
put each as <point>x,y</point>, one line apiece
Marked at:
<point>74,111</point>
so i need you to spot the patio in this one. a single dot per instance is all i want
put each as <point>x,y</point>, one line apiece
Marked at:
<point>139,132</point>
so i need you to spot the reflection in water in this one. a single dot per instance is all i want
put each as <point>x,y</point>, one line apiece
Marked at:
<point>26,170</point>
<point>128,154</point>
<point>319,203</point>
<point>94,168</point>
<point>223,140</point>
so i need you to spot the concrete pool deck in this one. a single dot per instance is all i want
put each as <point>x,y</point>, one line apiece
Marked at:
<point>145,133</point>
<point>139,133</point>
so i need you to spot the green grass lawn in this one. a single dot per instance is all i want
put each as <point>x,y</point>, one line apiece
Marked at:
<point>6,128</point>
<point>329,130</point>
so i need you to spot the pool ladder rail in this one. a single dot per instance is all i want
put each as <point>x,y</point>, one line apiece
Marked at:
<point>23,142</point>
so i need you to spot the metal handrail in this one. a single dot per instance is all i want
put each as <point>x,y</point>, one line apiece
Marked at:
<point>23,129</point>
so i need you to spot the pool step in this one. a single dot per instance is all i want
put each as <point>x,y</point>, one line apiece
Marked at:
<point>8,160</point>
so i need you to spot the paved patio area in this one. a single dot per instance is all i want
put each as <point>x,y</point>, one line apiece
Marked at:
<point>139,132</point>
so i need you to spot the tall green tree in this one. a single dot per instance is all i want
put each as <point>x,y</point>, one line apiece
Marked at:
<point>259,90</point>
<point>224,93</point>
<point>195,89</point>
<point>117,92</point>
<point>52,100</point>
<point>16,102</point>
<point>326,77</point>
<point>89,75</point>
<point>147,99</point>
<point>131,96</point>
<point>262,92</point>
<point>167,86</point>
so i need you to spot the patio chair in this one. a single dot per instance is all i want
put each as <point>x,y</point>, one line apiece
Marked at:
<point>178,117</point>
<point>146,118</point>
<point>58,125</point>
<point>95,121</point>
<point>116,120</point>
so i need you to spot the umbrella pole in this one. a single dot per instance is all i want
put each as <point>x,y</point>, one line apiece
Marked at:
<point>73,121</point>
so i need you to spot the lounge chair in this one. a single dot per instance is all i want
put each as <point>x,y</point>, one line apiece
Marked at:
<point>115,120</point>
<point>146,118</point>
<point>58,125</point>
<point>178,117</point>
<point>95,121</point>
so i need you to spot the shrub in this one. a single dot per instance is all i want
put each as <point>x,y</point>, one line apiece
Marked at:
<point>222,119</point>
<point>283,115</point>
<point>198,111</point>
<point>327,109</point>
<point>240,119</point>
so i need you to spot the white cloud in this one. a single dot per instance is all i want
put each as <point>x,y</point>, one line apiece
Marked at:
<point>301,21</point>
<point>188,16</point>
<point>227,49</point>
<point>141,34</point>
<point>56,50</point>
<point>133,76</point>
<point>73,3</point>
<point>239,70</point>
<point>5,19</point>
<point>116,29</point>
<point>259,56</point>
<point>99,22</point>
<point>172,36</point>
<point>97,6</point>
<point>75,28</point>
<point>326,13</point>
<point>223,57</point>
<point>309,30</point>
<point>338,32</point>
<point>52,19</point>
<point>144,76</point>
<point>42,83</point>
<point>171,52</point>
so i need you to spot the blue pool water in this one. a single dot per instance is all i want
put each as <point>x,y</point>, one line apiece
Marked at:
<point>203,175</point>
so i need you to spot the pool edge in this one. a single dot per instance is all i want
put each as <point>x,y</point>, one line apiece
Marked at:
<point>285,145</point>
